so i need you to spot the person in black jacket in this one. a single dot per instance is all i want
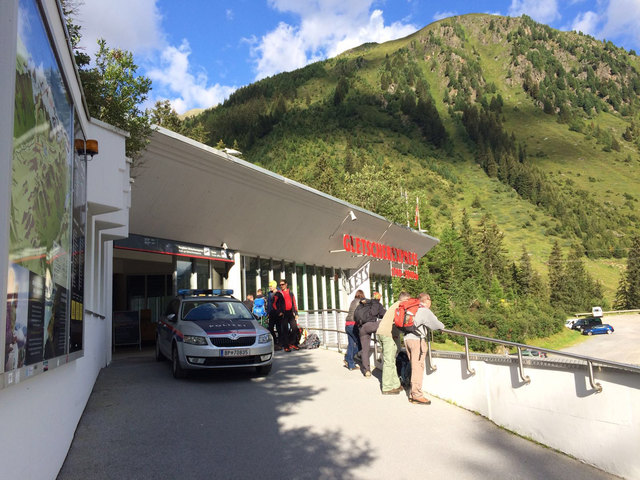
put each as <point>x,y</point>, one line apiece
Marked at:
<point>368,325</point>
<point>275,306</point>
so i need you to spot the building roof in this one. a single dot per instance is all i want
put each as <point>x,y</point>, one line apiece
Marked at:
<point>191,192</point>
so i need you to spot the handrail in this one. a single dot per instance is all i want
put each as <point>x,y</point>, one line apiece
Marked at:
<point>590,361</point>
<point>610,312</point>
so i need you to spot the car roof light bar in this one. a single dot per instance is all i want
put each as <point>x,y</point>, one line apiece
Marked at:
<point>184,292</point>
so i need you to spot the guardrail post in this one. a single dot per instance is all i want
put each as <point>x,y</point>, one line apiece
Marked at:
<point>470,370</point>
<point>429,339</point>
<point>523,377</point>
<point>595,385</point>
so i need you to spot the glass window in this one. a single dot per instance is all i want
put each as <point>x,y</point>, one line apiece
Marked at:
<point>251,271</point>
<point>183,273</point>
<point>299,293</point>
<point>203,272</point>
<point>310,271</point>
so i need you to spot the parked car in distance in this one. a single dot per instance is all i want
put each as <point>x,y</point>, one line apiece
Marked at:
<point>527,352</point>
<point>533,353</point>
<point>569,323</point>
<point>598,329</point>
<point>587,322</point>
<point>210,329</point>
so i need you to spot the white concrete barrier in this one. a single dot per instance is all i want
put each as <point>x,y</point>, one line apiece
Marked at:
<point>558,408</point>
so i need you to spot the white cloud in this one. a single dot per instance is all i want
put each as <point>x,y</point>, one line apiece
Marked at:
<point>173,75</point>
<point>135,26</point>
<point>326,28</point>
<point>544,11</point>
<point>586,22</point>
<point>140,31</point>
<point>622,20</point>
<point>441,15</point>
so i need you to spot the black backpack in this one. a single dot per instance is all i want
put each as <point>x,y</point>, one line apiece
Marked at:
<point>362,313</point>
<point>403,366</point>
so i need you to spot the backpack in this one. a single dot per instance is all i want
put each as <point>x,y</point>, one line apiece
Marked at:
<point>403,367</point>
<point>312,341</point>
<point>403,318</point>
<point>258,307</point>
<point>362,313</point>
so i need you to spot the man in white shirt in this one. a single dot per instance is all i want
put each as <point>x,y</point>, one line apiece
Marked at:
<point>417,347</point>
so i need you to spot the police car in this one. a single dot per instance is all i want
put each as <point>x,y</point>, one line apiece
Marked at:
<point>205,329</point>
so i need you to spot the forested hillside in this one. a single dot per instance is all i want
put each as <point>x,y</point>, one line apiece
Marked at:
<point>521,142</point>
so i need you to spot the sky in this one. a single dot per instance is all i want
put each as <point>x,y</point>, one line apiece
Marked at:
<point>197,52</point>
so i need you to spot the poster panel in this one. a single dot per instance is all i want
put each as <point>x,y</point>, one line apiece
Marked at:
<point>41,200</point>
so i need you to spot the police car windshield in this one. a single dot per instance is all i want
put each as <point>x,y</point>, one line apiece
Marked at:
<point>219,310</point>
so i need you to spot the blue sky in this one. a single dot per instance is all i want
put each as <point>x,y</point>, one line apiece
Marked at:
<point>197,52</point>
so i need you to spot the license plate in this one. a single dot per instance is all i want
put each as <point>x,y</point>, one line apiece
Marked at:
<point>242,352</point>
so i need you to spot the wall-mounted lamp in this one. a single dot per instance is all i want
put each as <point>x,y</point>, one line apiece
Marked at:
<point>224,246</point>
<point>88,147</point>
<point>350,215</point>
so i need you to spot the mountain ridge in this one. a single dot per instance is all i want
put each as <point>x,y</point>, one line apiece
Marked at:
<point>487,114</point>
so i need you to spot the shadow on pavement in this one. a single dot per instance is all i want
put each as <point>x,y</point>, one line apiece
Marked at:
<point>141,423</point>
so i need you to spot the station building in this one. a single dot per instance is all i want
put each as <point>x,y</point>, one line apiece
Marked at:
<point>83,238</point>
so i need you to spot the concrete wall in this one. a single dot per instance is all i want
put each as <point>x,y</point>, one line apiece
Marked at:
<point>558,408</point>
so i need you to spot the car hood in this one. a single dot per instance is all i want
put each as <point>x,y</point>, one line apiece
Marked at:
<point>226,327</point>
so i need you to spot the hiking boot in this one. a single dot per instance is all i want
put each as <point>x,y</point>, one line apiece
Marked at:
<point>393,391</point>
<point>287,349</point>
<point>294,347</point>
<point>367,374</point>
<point>355,367</point>
<point>420,400</point>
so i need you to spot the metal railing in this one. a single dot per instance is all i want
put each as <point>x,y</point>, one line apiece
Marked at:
<point>590,361</point>
<point>332,322</point>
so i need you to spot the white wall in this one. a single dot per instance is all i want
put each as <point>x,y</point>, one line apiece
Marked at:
<point>558,408</point>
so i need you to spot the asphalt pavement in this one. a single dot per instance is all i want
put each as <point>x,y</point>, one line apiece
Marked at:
<point>311,418</point>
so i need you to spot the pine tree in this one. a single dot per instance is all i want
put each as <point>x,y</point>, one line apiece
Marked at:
<point>556,276</point>
<point>628,294</point>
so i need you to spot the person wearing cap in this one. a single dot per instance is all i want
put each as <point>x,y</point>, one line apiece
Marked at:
<point>273,315</point>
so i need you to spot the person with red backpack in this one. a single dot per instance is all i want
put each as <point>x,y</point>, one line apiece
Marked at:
<point>414,340</point>
<point>289,325</point>
<point>389,337</point>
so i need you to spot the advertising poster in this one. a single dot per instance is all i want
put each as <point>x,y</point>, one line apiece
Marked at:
<point>40,223</point>
<point>77,252</point>
<point>17,317</point>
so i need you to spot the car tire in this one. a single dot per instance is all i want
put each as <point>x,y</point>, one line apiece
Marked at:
<point>609,332</point>
<point>159,355</point>
<point>264,370</point>
<point>589,333</point>
<point>176,368</point>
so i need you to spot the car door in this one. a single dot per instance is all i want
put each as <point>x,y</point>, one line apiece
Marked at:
<point>165,330</point>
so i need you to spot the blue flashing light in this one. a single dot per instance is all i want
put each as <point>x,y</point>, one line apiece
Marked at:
<point>183,292</point>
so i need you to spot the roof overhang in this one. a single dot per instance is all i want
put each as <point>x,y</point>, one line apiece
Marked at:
<point>190,192</point>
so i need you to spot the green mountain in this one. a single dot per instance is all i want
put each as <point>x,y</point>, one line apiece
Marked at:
<point>521,126</point>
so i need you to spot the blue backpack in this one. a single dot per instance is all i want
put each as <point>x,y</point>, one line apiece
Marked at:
<point>258,307</point>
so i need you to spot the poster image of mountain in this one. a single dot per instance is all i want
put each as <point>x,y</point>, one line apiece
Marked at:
<point>41,194</point>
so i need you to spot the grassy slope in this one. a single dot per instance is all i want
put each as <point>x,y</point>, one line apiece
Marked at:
<point>568,158</point>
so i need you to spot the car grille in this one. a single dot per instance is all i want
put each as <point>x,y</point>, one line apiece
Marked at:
<point>220,361</point>
<point>228,342</point>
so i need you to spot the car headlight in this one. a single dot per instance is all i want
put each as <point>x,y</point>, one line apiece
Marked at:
<point>194,340</point>
<point>264,338</point>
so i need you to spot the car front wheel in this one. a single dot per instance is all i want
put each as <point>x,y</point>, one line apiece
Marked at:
<point>609,332</point>
<point>589,333</point>
<point>176,368</point>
